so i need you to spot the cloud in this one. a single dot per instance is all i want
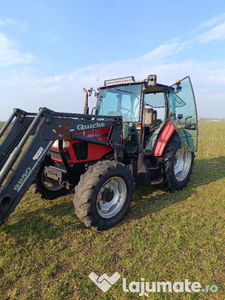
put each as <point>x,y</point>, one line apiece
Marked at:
<point>29,89</point>
<point>164,51</point>
<point>216,33</point>
<point>10,54</point>
<point>22,26</point>
<point>212,21</point>
<point>211,30</point>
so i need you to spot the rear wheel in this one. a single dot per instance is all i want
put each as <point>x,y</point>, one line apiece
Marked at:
<point>45,187</point>
<point>103,195</point>
<point>177,166</point>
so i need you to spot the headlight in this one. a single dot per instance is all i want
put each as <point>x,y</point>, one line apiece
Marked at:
<point>56,144</point>
<point>66,144</point>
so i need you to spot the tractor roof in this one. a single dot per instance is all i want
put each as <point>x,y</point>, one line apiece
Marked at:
<point>151,86</point>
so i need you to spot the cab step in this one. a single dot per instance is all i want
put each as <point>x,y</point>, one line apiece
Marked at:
<point>153,168</point>
<point>159,181</point>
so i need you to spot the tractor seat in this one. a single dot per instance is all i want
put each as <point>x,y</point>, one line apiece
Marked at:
<point>150,116</point>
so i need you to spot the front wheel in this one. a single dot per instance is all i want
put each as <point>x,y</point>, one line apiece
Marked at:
<point>103,195</point>
<point>45,187</point>
<point>177,165</point>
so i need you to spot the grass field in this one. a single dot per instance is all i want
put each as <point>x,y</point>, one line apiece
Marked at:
<point>46,253</point>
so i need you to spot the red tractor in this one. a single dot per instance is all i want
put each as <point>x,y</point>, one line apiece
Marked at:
<point>139,131</point>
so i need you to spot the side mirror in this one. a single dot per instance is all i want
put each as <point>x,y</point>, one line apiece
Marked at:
<point>90,91</point>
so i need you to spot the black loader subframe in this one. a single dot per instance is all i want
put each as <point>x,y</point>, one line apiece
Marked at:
<point>29,138</point>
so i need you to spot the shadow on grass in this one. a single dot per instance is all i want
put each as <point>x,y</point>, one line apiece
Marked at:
<point>45,222</point>
<point>52,221</point>
<point>148,200</point>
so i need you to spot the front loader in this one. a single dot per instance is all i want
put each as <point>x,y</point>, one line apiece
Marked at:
<point>139,131</point>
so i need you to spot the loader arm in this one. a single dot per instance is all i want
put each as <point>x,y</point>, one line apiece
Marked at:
<point>17,171</point>
<point>22,121</point>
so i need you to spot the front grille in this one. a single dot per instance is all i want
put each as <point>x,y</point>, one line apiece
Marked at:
<point>81,150</point>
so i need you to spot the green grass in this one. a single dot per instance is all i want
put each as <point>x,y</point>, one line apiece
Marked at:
<point>46,253</point>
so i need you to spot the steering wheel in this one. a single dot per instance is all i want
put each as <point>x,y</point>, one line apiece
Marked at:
<point>128,110</point>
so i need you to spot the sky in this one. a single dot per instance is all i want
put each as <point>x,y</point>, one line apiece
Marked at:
<point>51,49</point>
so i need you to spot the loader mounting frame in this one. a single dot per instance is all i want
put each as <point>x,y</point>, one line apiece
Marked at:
<point>18,171</point>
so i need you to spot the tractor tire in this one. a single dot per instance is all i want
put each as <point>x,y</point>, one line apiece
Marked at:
<point>44,187</point>
<point>177,165</point>
<point>103,194</point>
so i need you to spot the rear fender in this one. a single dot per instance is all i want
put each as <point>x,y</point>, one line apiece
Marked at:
<point>163,138</point>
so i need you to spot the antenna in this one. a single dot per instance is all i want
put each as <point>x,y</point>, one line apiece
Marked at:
<point>97,77</point>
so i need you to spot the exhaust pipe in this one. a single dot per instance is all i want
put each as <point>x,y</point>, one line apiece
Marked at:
<point>86,107</point>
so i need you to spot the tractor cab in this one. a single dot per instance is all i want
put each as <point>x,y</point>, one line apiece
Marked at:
<point>146,107</point>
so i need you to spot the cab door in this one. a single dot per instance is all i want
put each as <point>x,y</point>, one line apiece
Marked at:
<point>183,112</point>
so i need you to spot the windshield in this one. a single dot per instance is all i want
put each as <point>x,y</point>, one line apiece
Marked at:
<point>121,100</point>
